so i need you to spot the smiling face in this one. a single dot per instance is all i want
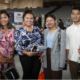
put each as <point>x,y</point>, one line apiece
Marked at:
<point>50,22</point>
<point>4,19</point>
<point>28,20</point>
<point>75,15</point>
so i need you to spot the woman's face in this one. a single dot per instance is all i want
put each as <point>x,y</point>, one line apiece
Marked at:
<point>4,19</point>
<point>28,19</point>
<point>50,22</point>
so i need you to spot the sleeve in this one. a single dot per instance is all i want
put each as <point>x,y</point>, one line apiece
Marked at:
<point>62,49</point>
<point>18,42</point>
<point>67,40</point>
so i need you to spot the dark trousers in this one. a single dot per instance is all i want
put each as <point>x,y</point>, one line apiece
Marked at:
<point>48,73</point>
<point>31,66</point>
<point>73,66</point>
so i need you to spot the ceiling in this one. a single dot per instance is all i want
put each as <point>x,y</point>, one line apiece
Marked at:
<point>5,1</point>
<point>8,1</point>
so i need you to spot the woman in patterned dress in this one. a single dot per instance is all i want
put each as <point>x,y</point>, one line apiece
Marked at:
<point>25,39</point>
<point>6,38</point>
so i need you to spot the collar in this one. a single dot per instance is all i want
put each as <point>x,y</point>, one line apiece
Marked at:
<point>77,25</point>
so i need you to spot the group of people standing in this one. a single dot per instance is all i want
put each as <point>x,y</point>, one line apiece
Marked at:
<point>60,45</point>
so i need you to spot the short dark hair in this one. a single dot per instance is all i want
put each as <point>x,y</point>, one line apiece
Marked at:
<point>50,15</point>
<point>27,11</point>
<point>76,8</point>
<point>9,25</point>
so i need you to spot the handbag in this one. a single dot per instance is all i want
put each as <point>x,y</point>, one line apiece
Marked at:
<point>41,75</point>
<point>9,73</point>
<point>59,40</point>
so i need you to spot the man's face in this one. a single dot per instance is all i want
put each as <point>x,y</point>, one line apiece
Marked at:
<point>75,15</point>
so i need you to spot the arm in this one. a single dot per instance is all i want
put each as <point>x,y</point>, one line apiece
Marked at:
<point>67,52</point>
<point>41,57</point>
<point>3,59</point>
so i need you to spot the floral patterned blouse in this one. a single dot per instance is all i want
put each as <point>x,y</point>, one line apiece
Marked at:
<point>6,42</point>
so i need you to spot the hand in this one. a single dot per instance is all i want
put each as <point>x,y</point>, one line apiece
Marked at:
<point>79,51</point>
<point>3,60</point>
<point>30,54</point>
<point>10,57</point>
<point>34,50</point>
<point>41,57</point>
<point>67,60</point>
<point>61,67</point>
<point>10,60</point>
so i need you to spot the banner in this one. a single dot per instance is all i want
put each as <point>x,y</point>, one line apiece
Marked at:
<point>12,16</point>
<point>18,19</point>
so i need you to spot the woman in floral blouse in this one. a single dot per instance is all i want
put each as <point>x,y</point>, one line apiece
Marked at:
<point>6,38</point>
<point>25,39</point>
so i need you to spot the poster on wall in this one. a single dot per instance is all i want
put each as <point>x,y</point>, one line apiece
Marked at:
<point>18,19</point>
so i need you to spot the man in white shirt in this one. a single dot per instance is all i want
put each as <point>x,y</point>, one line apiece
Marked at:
<point>73,43</point>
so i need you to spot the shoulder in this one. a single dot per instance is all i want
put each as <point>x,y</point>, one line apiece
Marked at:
<point>45,30</point>
<point>69,29</point>
<point>12,30</point>
<point>19,30</point>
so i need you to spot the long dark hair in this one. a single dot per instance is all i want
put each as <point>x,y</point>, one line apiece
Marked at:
<point>9,25</point>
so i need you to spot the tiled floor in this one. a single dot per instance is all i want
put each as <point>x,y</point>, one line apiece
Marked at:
<point>66,74</point>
